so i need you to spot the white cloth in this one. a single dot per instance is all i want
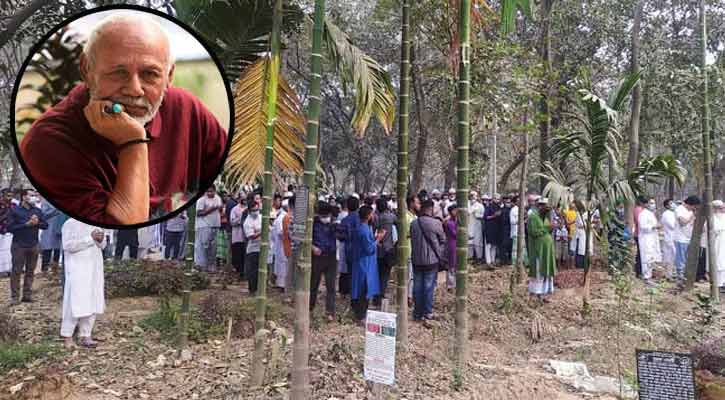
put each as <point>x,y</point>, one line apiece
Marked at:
<point>147,239</point>
<point>211,220</point>
<point>683,233</point>
<point>83,295</point>
<point>6,257</point>
<point>341,262</point>
<point>669,226</point>
<point>578,242</point>
<point>514,221</point>
<point>280,259</point>
<point>649,242</point>
<point>719,242</point>
<point>252,225</point>
<point>475,229</point>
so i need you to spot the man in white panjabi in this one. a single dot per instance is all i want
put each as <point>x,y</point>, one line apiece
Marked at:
<point>475,229</point>
<point>669,226</point>
<point>83,296</point>
<point>280,258</point>
<point>718,228</point>
<point>649,240</point>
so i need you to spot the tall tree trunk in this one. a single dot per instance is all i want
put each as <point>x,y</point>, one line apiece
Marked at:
<point>185,313</point>
<point>545,102</point>
<point>272,77</point>
<point>462,189</point>
<point>494,160</point>
<point>633,156</point>
<point>422,131</point>
<point>301,352</point>
<point>707,156</point>
<point>521,233</point>
<point>402,189</point>
<point>506,174</point>
<point>18,18</point>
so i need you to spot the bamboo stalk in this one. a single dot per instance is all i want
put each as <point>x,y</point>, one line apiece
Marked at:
<point>463,186</point>
<point>301,347</point>
<point>402,185</point>
<point>272,77</point>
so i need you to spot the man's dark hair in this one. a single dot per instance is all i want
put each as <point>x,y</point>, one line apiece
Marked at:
<point>642,199</point>
<point>365,212</point>
<point>290,188</point>
<point>212,188</point>
<point>423,195</point>
<point>452,207</point>
<point>667,203</point>
<point>353,203</point>
<point>381,205</point>
<point>410,200</point>
<point>323,208</point>
<point>426,205</point>
<point>277,196</point>
<point>368,201</point>
<point>23,192</point>
<point>693,201</point>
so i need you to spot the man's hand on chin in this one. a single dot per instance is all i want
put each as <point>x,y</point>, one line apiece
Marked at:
<point>119,128</point>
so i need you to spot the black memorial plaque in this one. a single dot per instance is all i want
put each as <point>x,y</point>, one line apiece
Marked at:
<point>298,221</point>
<point>665,376</point>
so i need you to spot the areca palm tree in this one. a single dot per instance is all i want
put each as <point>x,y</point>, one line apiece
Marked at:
<point>238,33</point>
<point>585,153</point>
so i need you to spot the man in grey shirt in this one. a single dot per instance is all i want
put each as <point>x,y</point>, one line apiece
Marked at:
<point>175,228</point>
<point>427,241</point>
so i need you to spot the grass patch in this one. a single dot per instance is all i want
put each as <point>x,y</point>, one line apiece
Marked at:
<point>210,317</point>
<point>16,355</point>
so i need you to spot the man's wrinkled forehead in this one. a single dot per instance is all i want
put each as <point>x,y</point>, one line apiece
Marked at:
<point>134,30</point>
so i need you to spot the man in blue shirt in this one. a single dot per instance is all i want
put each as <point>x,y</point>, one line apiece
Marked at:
<point>24,222</point>
<point>324,258</point>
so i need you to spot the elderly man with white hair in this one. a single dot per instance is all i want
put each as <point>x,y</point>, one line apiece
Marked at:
<point>124,145</point>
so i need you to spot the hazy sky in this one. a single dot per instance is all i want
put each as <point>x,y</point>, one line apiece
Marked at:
<point>183,45</point>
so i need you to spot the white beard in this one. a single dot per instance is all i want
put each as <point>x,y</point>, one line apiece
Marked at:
<point>136,101</point>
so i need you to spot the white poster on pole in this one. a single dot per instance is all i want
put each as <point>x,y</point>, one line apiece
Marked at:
<point>380,329</point>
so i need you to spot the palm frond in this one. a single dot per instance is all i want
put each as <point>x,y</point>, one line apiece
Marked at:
<point>246,157</point>
<point>237,30</point>
<point>557,188</point>
<point>374,92</point>
<point>619,190</point>
<point>618,98</point>
<point>655,170</point>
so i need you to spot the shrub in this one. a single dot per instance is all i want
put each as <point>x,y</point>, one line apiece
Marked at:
<point>710,355</point>
<point>132,278</point>
<point>15,355</point>
<point>9,329</point>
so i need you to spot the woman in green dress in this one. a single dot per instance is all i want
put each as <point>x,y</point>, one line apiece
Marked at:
<point>542,260</point>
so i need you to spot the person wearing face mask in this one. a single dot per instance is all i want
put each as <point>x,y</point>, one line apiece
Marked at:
<point>24,223</point>
<point>669,226</point>
<point>324,260</point>
<point>542,261</point>
<point>685,216</point>
<point>475,227</point>
<point>648,240</point>
<point>253,232</point>
<point>365,277</point>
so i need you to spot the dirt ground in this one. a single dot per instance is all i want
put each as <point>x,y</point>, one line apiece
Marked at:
<point>504,361</point>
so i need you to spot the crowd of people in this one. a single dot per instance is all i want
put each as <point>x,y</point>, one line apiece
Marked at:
<point>354,246</point>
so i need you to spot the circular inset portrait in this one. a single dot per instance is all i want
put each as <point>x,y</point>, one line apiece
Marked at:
<point>122,117</point>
